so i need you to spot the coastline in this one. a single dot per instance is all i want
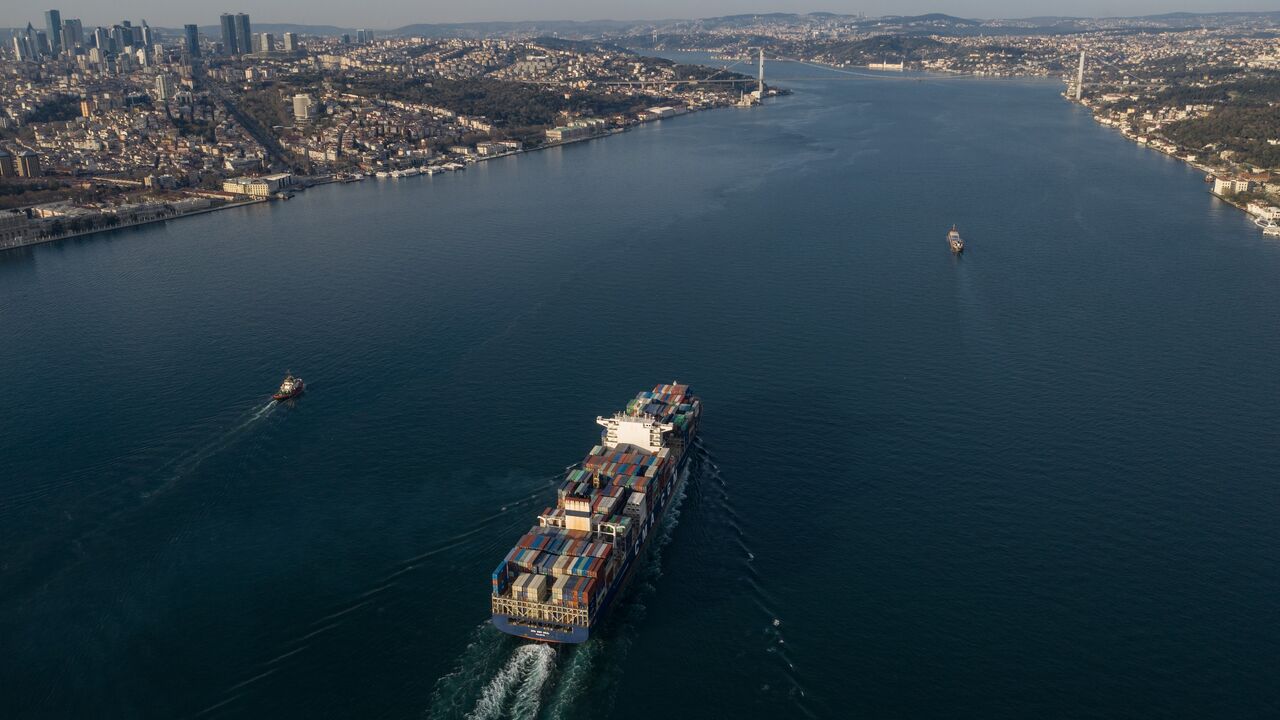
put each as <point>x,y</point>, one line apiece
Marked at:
<point>1208,171</point>
<point>136,223</point>
<point>330,179</point>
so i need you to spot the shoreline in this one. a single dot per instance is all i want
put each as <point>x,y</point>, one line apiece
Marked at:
<point>136,223</point>
<point>334,178</point>
<point>1208,171</point>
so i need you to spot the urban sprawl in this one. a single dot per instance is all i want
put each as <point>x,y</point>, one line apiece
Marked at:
<point>108,126</point>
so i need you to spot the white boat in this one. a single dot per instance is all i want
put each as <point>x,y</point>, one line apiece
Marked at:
<point>953,239</point>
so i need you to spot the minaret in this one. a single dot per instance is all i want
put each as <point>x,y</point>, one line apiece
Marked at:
<point>1080,78</point>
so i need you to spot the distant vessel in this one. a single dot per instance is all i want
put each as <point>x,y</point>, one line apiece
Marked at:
<point>292,387</point>
<point>957,243</point>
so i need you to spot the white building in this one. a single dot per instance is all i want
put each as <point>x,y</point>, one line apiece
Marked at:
<point>1227,186</point>
<point>258,187</point>
<point>164,87</point>
<point>303,106</point>
<point>1266,212</point>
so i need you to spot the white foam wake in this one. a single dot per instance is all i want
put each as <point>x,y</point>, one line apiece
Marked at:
<point>519,683</point>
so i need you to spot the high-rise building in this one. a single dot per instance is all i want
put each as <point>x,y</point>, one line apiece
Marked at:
<point>290,42</point>
<point>229,44</point>
<point>302,106</point>
<point>28,164</point>
<point>266,42</point>
<point>148,36</point>
<point>20,51</point>
<point>53,20</point>
<point>33,47</point>
<point>164,87</point>
<point>192,34</point>
<point>102,40</point>
<point>75,29</point>
<point>244,34</point>
<point>364,36</point>
<point>346,39</point>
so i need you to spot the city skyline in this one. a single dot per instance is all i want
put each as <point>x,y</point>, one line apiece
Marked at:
<point>400,13</point>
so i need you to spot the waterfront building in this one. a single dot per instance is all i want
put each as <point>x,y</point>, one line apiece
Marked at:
<point>258,187</point>
<point>1227,186</point>
<point>28,164</point>
<point>53,20</point>
<point>6,165</point>
<point>1264,211</point>
<point>192,34</point>
<point>13,228</point>
<point>229,45</point>
<point>244,34</point>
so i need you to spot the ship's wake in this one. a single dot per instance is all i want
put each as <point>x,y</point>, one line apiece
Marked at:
<point>496,677</point>
<point>516,690</point>
<point>187,463</point>
<point>499,677</point>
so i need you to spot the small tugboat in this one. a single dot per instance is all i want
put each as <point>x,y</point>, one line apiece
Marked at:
<point>292,387</point>
<point>957,243</point>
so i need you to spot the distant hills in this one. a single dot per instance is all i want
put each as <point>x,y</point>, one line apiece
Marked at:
<point>931,23</point>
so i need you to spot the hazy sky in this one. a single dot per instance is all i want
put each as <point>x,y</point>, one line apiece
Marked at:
<point>395,13</point>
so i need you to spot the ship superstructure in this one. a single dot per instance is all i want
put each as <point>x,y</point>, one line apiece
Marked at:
<point>954,239</point>
<point>562,577</point>
<point>291,387</point>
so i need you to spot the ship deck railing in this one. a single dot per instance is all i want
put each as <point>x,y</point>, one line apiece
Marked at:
<point>547,612</point>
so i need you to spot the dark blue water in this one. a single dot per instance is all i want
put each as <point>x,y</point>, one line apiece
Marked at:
<point>1038,480</point>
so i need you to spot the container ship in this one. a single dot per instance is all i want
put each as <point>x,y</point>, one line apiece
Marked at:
<point>562,577</point>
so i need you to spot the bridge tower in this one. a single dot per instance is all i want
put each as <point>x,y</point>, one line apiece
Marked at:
<point>760,75</point>
<point>1080,78</point>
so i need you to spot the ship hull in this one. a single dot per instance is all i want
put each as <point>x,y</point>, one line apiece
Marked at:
<point>574,635</point>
